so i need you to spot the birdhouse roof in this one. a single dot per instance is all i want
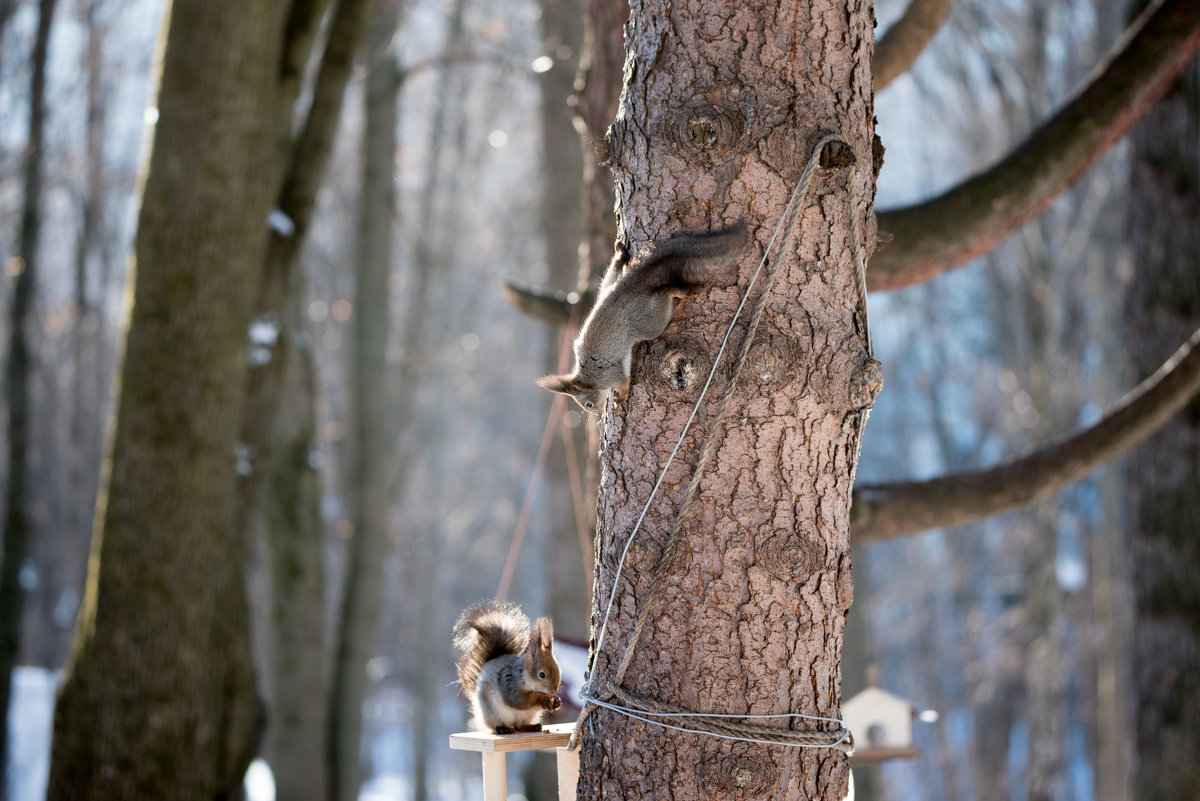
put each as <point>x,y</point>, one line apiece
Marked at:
<point>874,698</point>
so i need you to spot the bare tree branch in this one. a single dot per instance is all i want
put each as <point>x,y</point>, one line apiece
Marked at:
<point>884,511</point>
<point>906,39</point>
<point>311,152</point>
<point>304,20</point>
<point>968,220</point>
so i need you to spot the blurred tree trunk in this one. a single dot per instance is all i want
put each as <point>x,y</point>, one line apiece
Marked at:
<point>162,663</point>
<point>562,529</point>
<point>295,539</point>
<point>1164,473</point>
<point>371,479</point>
<point>17,524</point>
<point>749,614</point>
<point>596,106</point>
<point>560,223</point>
<point>65,571</point>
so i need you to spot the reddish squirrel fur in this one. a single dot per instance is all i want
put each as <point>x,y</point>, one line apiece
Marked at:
<point>635,302</point>
<point>509,676</point>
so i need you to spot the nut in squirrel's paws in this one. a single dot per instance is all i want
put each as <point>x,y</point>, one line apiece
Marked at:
<point>551,703</point>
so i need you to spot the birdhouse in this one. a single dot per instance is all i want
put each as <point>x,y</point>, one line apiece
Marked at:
<point>882,724</point>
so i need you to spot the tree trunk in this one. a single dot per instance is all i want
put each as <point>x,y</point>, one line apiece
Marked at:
<point>159,699</point>
<point>358,638</point>
<point>722,107</point>
<point>561,229</point>
<point>1164,472</point>
<point>17,524</point>
<point>295,538</point>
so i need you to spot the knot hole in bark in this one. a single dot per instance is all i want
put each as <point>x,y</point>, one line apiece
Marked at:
<point>866,383</point>
<point>708,129</point>
<point>679,369</point>
<point>791,556</point>
<point>763,361</point>
<point>603,150</point>
<point>743,774</point>
<point>836,155</point>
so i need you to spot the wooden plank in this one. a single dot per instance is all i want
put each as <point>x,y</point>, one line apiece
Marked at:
<point>495,783</point>
<point>876,756</point>
<point>552,736</point>
<point>568,773</point>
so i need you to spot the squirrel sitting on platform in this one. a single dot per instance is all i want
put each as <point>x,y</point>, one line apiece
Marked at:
<point>635,302</point>
<point>509,676</point>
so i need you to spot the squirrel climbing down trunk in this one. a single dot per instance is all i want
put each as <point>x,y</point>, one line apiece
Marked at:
<point>507,672</point>
<point>635,302</point>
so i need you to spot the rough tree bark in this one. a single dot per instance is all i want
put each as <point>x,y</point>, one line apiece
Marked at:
<point>159,699</point>
<point>721,108</point>
<point>1164,473</point>
<point>17,524</point>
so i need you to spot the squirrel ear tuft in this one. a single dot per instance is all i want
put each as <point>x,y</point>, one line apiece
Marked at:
<point>561,384</point>
<point>544,629</point>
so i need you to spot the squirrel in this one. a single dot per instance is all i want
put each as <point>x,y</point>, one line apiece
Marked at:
<point>509,676</point>
<point>635,302</point>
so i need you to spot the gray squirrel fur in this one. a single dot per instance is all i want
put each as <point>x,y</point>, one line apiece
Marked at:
<point>634,304</point>
<point>508,672</point>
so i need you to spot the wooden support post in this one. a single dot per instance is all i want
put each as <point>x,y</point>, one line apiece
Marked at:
<point>493,747</point>
<point>495,783</point>
<point>568,773</point>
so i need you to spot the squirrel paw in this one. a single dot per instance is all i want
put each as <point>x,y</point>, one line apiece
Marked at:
<point>551,703</point>
<point>530,727</point>
<point>504,730</point>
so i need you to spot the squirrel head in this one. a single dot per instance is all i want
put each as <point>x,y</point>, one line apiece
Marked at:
<point>541,669</point>
<point>590,398</point>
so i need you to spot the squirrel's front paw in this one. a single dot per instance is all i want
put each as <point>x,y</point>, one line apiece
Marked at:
<point>551,703</point>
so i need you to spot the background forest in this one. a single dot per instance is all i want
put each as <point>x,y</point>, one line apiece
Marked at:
<point>433,473</point>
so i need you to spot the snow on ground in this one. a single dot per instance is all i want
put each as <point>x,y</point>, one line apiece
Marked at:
<point>30,716</point>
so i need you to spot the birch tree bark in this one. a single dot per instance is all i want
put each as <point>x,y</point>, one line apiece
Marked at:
<point>721,108</point>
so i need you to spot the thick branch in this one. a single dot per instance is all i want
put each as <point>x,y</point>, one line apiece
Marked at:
<point>891,510</point>
<point>970,219</point>
<point>906,39</point>
<point>303,23</point>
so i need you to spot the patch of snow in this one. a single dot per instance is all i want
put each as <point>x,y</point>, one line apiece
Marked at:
<point>260,782</point>
<point>27,576</point>
<point>572,664</point>
<point>242,461</point>
<point>264,330</point>
<point>385,788</point>
<point>30,721</point>
<point>281,223</point>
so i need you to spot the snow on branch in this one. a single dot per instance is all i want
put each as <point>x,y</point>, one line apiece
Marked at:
<point>905,40</point>
<point>884,511</point>
<point>936,235</point>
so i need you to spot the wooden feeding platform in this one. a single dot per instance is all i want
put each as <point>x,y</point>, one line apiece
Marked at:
<point>493,748</point>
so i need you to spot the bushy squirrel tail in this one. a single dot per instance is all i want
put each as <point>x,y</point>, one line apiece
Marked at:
<point>689,260</point>
<point>484,632</point>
